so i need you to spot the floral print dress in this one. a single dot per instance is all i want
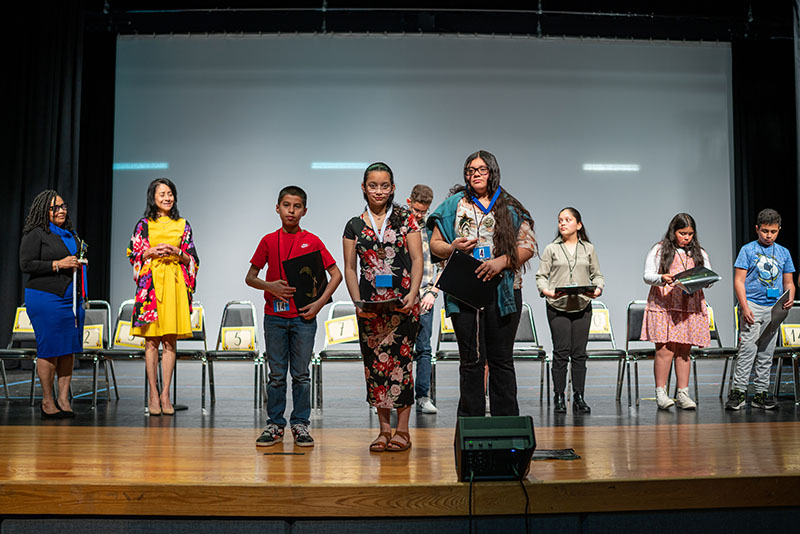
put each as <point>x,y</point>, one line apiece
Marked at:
<point>388,339</point>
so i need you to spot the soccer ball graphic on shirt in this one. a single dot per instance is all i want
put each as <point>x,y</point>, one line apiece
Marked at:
<point>767,269</point>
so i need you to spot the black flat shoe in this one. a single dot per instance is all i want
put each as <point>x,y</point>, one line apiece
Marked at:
<point>46,416</point>
<point>66,414</point>
<point>579,404</point>
<point>559,403</point>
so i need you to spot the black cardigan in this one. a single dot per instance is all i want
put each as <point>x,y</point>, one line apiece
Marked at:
<point>37,252</point>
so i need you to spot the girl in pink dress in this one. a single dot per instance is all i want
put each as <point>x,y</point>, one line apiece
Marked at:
<point>673,320</point>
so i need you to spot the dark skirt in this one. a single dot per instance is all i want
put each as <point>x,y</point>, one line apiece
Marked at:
<point>54,324</point>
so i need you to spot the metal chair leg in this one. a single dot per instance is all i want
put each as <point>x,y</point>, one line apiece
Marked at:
<point>95,363</point>
<point>113,377</point>
<point>433,380</point>
<point>796,376</point>
<point>175,382</point>
<point>696,388</point>
<point>628,370</point>
<point>541,381</point>
<point>636,370</point>
<point>319,387</point>
<point>203,384</point>
<point>724,376</point>
<point>211,381</point>
<point>5,379</point>
<point>730,378</point>
<point>33,378</point>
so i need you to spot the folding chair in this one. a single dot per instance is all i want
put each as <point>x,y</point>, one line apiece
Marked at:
<point>237,340</point>
<point>446,349</point>
<point>635,317</point>
<point>124,345</point>
<point>183,352</point>
<point>788,349</point>
<point>95,341</point>
<point>713,352</point>
<point>601,332</point>
<point>341,345</point>
<point>21,346</point>
<point>527,347</point>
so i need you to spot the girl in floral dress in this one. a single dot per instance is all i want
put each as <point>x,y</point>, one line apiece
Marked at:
<point>165,265</point>
<point>673,320</point>
<point>387,242</point>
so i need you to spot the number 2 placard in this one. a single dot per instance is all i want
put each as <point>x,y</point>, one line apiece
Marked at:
<point>93,336</point>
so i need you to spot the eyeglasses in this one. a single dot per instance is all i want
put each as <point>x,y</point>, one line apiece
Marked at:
<point>374,188</point>
<point>421,213</point>
<point>59,207</point>
<point>471,171</point>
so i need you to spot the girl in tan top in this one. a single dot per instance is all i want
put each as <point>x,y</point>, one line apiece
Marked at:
<point>570,260</point>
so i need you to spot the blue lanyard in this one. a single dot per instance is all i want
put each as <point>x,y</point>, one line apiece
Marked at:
<point>491,204</point>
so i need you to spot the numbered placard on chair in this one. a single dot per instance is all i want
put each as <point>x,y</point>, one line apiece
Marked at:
<point>600,323</point>
<point>446,324</point>
<point>124,338</point>
<point>197,318</point>
<point>93,336</point>
<point>22,323</point>
<point>711,325</point>
<point>341,329</point>
<point>790,335</point>
<point>239,338</point>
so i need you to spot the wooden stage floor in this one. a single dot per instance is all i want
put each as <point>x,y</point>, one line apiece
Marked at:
<point>166,471</point>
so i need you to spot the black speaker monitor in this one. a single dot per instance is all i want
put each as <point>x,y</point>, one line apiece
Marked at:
<point>494,448</point>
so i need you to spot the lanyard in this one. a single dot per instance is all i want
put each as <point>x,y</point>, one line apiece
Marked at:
<point>383,226</point>
<point>280,251</point>
<point>573,265</point>
<point>683,262</point>
<point>491,204</point>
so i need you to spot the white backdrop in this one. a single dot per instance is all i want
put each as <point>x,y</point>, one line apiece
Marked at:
<point>237,119</point>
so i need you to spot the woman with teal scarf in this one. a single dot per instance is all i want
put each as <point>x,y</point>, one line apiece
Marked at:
<point>49,254</point>
<point>484,220</point>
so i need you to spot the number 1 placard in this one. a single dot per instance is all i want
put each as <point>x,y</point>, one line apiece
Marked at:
<point>341,329</point>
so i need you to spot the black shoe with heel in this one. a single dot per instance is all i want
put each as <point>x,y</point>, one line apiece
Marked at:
<point>559,403</point>
<point>579,404</point>
<point>65,414</point>
<point>45,416</point>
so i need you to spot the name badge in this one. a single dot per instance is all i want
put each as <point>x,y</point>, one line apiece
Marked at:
<point>383,280</point>
<point>482,253</point>
<point>773,292</point>
<point>280,306</point>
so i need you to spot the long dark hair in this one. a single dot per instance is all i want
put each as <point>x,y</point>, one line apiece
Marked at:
<point>396,219</point>
<point>505,238</point>
<point>151,211</point>
<point>39,214</point>
<point>669,244</point>
<point>582,235</point>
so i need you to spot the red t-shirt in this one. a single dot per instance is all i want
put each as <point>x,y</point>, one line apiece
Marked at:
<point>277,247</point>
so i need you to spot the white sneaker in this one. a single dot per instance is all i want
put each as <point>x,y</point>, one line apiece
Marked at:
<point>663,399</point>
<point>425,405</point>
<point>684,401</point>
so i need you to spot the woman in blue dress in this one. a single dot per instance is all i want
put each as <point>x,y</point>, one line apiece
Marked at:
<point>49,255</point>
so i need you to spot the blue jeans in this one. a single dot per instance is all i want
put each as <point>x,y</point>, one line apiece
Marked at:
<point>290,343</point>
<point>422,355</point>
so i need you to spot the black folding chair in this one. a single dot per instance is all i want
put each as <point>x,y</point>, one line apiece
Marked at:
<point>602,333</point>
<point>527,347</point>
<point>345,351</point>
<point>95,341</point>
<point>21,347</point>
<point>237,340</point>
<point>712,352</point>
<point>633,334</point>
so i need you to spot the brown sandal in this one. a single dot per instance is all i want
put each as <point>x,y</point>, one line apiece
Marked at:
<point>380,446</point>
<point>399,446</point>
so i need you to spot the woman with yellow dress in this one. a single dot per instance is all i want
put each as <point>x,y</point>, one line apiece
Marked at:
<point>165,266</point>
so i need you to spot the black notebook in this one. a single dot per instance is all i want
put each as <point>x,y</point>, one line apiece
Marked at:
<point>575,290</point>
<point>308,276</point>
<point>458,279</point>
<point>696,278</point>
<point>380,307</point>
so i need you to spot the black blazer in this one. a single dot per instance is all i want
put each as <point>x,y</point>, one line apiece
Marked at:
<point>37,252</point>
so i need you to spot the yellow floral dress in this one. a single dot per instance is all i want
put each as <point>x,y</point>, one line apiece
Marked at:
<point>173,308</point>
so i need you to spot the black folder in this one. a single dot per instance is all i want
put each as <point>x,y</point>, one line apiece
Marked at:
<point>381,307</point>
<point>308,276</point>
<point>575,290</point>
<point>458,279</point>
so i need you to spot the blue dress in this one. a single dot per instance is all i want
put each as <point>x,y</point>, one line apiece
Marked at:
<point>54,324</point>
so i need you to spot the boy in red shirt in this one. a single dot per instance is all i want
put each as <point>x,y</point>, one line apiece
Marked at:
<point>289,332</point>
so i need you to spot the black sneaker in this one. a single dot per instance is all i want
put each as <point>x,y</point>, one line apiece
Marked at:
<point>301,436</point>
<point>272,434</point>
<point>736,399</point>
<point>763,400</point>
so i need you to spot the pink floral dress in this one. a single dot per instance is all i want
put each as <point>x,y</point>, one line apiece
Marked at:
<point>387,340</point>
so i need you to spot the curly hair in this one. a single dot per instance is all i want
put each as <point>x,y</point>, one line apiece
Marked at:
<point>151,211</point>
<point>39,214</point>
<point>505,237</point>
<point>669,244</point>
<point>396,219</point>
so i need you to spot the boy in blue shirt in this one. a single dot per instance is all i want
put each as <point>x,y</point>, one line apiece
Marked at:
<point>763,271</point>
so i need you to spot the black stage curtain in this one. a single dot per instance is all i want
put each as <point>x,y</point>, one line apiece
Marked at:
<point>764,138</point>
<point>53,132</point>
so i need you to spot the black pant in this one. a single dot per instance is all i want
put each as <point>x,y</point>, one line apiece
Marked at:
<point>496,347</point>
<point>570,331</point>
